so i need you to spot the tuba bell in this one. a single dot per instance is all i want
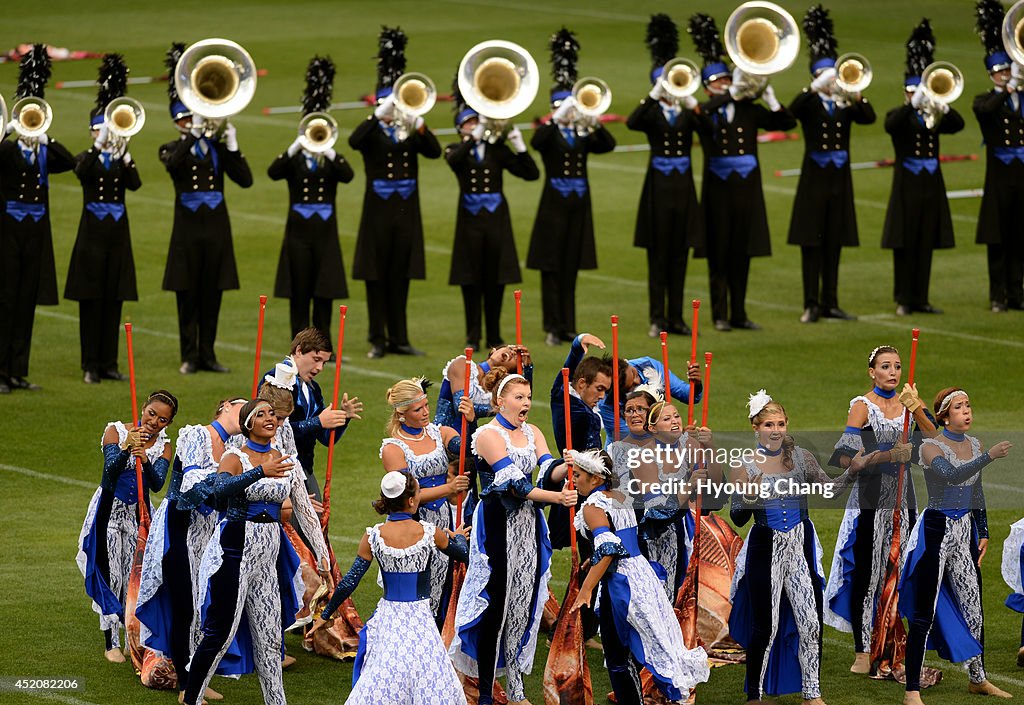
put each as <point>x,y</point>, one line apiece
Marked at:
<point>1013,32</point>
<point>942,84</point>
<point>680,78</point>
<point>498,80</point>
<point>762,39</point>
<point>415,95</point>
<point>318,132</point>
<point>32,117</point>
<point>3,111</point>
<point>593,97</point>
<point>853,74</point>
<point>215,79</point>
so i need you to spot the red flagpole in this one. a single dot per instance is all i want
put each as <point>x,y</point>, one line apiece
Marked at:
<point>615,376</point>
<point>519,330</point>
<point>135,422</point>
<point>664,362</point>
<point>259,347</point>
<point>693,361</point>
<point>568,446</point>
<point>342,311</point>
<point>462,446</point>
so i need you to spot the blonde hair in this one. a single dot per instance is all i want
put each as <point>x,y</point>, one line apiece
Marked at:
<point>788,444</point>
<point>281,399</point>
<point>400,395</point>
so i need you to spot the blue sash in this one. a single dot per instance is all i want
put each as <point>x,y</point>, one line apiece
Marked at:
<point>386,187</point>
<point>19,210</point>
<point>433,481</point>
<point>915,164</point>
<point>405,587</point>
<point>474,202</point>
<point>566,186</point>
<point>667,164</point>
<point>194,199</point>
<point>1008,154</point>
<point>742,164</point>
<point>629,540</point>
<point>308,210</point>
<point>102,210</point>
<point>839,158</point>
<point>257,508</point>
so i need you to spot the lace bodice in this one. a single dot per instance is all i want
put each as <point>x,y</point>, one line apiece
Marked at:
<point>268,489</point>
<point>412,559</point>
<point>153,453</point>
<point>428,464</point>
<point>479,395</point>
<point>621,514</point>
<point>524,458</point>
<point>886,430</point>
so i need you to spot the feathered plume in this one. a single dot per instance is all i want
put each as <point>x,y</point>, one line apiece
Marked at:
<point>171,62</point>
<point>112,81</point>
<point>34,72</point>
<point>920,48</point>
<point>989,24</point>
<point>662,39</point>
<point>319,85</point>
<point>390,56</point>
<point>706,40</point>
<point>821,42</point>
<point>458,102</point>
<point>564,55</point>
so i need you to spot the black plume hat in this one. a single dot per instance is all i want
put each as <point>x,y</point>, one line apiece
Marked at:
<point>662,42</point>
<point>708,43</point>
<point>989,25</point>
<point>390,59</point>
<point>565,50</point>
<point>112,81</point>
<point>177,108</point>
<point>33,73</point>
<point>319,85</point>
<point>821,40</point>
<point>920,51</point>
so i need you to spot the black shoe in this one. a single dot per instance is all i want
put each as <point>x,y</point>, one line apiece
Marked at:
<point>91,377</point>
<point>810,315</point>
<point>552,339</point>
<point>22,383</point>
<point>723,326</point>
<point>114,374</point>
<point>679,329</point>
<point>839,313</point>
<point>5,385</point>
<point>1015,305</point>
<point>375,352</point>
<point>405,350</point>
<point>902,310</point>
<point>214,367</point>
<point>187,368</point>
<point>567,337</point>
<point>927,308</point>
<point>999,307</point>
<point>746,325</point>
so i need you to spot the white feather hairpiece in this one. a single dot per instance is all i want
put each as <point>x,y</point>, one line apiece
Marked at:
<point>590,462</point>
<point>657,392</point>
<point>757,402</point>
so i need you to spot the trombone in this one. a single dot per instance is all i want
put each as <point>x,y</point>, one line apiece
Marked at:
<point>942,84</point>
<point>124,118</point>
<point>762,39</point>
<point>318,132</point>
<point>32,118</point>
<point>415,95</point>
<point>499,80</point>
<point>215,79</point>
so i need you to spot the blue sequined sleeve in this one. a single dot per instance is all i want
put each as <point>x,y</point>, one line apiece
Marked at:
<point>458,548</point>
<point>607,544</point>
<point>453,447</point>
<point>156,473</point>
<point>226,485</point>
<point>114,462</point>
<point>740,512</point>
<point>955,475</point>
<point>347,585</point>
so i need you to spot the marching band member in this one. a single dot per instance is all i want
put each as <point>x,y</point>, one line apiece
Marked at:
<point>669,220</point>
<point>1002,128</point>
<point>562,241</point>
<point>638,625</point>
<point>106,545</point>
<point>824,218</point>
<point>310,266</point>
<point>777,588</point>
<point>940,584</point>
<point>918,218</point>
<point>484,256</point>
<point>29,273</point>
<point>389,248</point>
<point>499,609</point>
<point>735,219</point>
<point>387,670</point>
<point>201,256</point>
<point>102,271</point>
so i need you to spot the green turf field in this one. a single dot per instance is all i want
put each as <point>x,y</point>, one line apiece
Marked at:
<point>49,455</point>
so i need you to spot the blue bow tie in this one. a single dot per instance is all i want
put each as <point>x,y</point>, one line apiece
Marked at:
<point>29,157</point>
<point>311,163</point>
<point>570,135</point>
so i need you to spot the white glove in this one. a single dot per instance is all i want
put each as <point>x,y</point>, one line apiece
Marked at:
<point>738,77</point>
<point>101,137</point>
<point>564,110</point>
<point>478,132</point>
<point>386,108</point>
<point>294,147</point>
<point>197,126</point>
<point>769,97</point>
<point>419,123</point>
<point>918,99</point>
<point>1016,70</point>
<point>43,139</point>
<point>10,128</point>
<point>942,107</point>
<point>823,83</point>
<point>689,102</point>
<point>657,91</point>
<point>515,138</point>
<point>127,157</point>
<point>330,154</point>
<point>231,137</point>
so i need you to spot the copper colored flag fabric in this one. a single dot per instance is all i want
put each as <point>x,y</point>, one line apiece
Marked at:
<point>567,674</point>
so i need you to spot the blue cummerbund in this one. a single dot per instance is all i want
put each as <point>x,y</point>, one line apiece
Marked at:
<point>566,186</point>
<point>914,165</point>
<point>838,158</point>
<point>308,210</point>
<point>19,211</point>
<point>194,199</point>
<point>1008,154</point>
<point>386,187</point>
<point>666,165</point>
<point>742,164</point>
<point>270,508</point>
<point>475,202</point>
<point>429,482</point>
<point>103,210</point>
<point>404,587</point>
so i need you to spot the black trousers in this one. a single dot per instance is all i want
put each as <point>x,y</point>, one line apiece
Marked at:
<point>623,669</point>
<point>666,276</point>
<point>386,302</point>
<point>99,326</point>
<point>558,301</point>
<point>1006,273</point>
<point>821,264</point>
<point>299,311</point>
<point>198,311</point>
<point>21,268</point>
<point>728,272</point>
<point>178,576</point>
<point>490,295</point>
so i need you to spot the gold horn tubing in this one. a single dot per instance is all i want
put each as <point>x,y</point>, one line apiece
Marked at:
<point>1013,32</point>
<point>32,117</point>
<point>680,78</point>
<point>318,132</point>
<point>499,80</point>
<point>215,79</point>
<point>124,117</point>
<point>853,74</point>
<point>762,38</point>
<point>593,97</point>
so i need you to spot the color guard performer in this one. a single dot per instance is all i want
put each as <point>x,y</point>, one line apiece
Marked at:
<point>562,242</point>
<point>310,266</point>
<point>201,256</point>
<point>389,248</point>
<point>1000,117</point>
<point>29,274</point>
<point>918,219</point>
<point>824,218</point>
